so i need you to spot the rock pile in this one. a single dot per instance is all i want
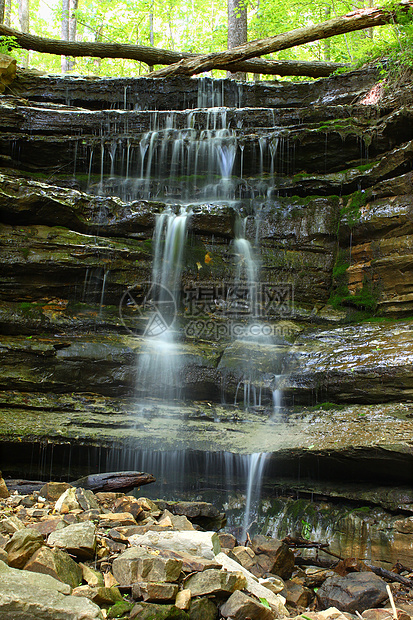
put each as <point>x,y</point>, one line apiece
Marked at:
<point>68,553</point>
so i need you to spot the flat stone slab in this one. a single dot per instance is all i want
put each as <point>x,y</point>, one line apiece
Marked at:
<point>26,595</point>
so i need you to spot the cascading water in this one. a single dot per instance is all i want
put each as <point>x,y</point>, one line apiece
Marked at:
<point>255,473</point>
<point>190,158</point>
<point>159,361</point>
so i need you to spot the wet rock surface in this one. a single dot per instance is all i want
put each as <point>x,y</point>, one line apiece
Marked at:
<point>333,181</point>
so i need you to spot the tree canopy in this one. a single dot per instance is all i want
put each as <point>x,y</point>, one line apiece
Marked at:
<point>186,27</point>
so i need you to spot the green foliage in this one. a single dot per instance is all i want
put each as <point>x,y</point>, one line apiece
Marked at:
<point>365,299</point>
<point>353,204</point>
<point>8,44</point>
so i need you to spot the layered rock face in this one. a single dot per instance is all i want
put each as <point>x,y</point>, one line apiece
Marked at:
<point>321,179</point>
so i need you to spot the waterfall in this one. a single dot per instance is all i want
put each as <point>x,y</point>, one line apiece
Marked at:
<point>256,466</point>
<point>158,365</point>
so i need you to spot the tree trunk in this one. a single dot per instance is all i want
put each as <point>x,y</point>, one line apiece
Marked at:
<point>327,44</point>
<point>24,12</point>
<point>357,20</point>
<point>68,30</point>
<point>65,32</point>
<point>2,11</point>
<point>7,13</point>
<point>73,4</point>
<point>151,33</point>
<point>237,30</point>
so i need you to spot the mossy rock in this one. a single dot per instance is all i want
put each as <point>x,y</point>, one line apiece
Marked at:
<point>154,611</point>
<point>119,609</point>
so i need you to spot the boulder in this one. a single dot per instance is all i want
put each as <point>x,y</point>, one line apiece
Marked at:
<point>244,556</point>
<point>67,501</point>
<point>355,592</point>
<point>53,490</point>
<point>139,564</point>
<point>240,606</point>
<point>119,609</point>
<point>315,577</point>
<point>99,594</point>
<point>204,544</point>
<point>177,522</point>
<point>56,563</point>
<point>215,581</point>
<point>86,499</point>
<point>10,525</point>
<point>155,592</point>
<point>49,525</point>
<point>183,599</point>
<point>22,546</point>
<point>190,563</point>
<point>192,510</point>
<point>91,576</point>
<point>275,584</point>
<point>296,595</point>
<point>128,504</point>
<point>3,556</point>
<point>276,601</point>
<point>281,556</point>
<point>78,539</point>
<point>28,596</point>
<point>76,499</point>
<point>226,540</point>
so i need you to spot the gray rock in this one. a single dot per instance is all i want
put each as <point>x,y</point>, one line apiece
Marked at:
<point>86,499</point>
<point>99,594</point>
<point>22,546</point>
<point>53,490</point>
<point>204,544</point>
<point>10,525</point>
<point>214,581</point>
<point>281,556</point>
<point>276,601</point>
<point>155,592</point>
<point>56,563</point>
<point>27,596</point>
<point>67,501</point>
<point>240,606</point>
<point>355,592</point>
<point>139,564</point>
<point>78,539</point>
<point>296,594</point>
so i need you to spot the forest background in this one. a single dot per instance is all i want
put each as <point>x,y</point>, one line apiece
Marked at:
<point>196,26</point>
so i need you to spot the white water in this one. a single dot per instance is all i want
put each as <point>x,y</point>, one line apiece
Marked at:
<point>159,363</point>
<point>253,493</point>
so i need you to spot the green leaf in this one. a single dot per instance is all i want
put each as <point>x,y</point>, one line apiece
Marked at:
<point>264,602</point>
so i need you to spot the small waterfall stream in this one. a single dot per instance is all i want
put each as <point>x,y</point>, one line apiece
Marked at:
<point>159,362</point>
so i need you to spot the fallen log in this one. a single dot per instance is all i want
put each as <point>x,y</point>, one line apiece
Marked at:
<point>111,481</point>
<point>158,56</point>
<point>356,20</point>
<point>114,481</point>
